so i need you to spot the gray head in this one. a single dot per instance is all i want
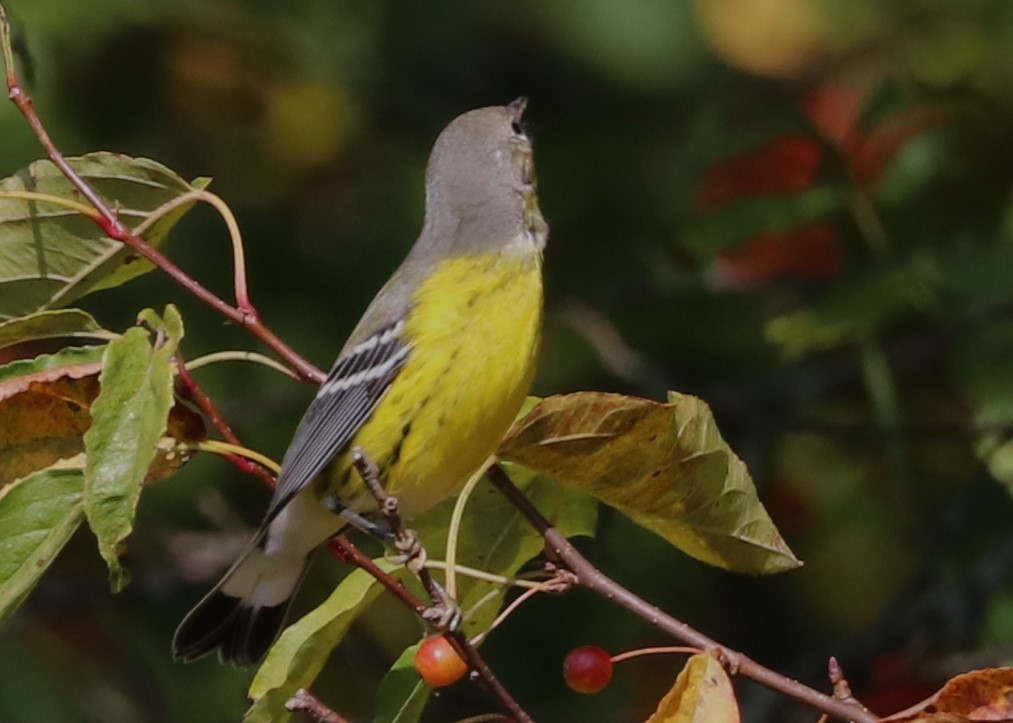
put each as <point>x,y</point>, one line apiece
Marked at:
<point>480,183</point>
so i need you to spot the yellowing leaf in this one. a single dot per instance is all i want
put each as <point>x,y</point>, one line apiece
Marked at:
<point>45,409</point>
<point>663,465</point>
<point>43,414</point>
<point>979,695</point>
<point>52,254</point>
<point>702,694</point>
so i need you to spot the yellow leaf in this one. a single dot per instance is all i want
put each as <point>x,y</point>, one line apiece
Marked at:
<point>663,465</point>
<point>702,694</point>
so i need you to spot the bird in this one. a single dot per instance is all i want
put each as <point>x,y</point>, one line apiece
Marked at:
<point>426,385</point>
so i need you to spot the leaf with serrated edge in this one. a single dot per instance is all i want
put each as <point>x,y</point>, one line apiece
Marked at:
<point>38,514</point>
<point>402,696</point>
<point>302,650</point>
<point>59,324</point>
<point>53,255</point>
<point>702,694</point>
<point>128,420</point>
<point>663,465</point>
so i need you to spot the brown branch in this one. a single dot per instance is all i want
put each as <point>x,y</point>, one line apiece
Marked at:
<point>592,578</point>
<point>305,701</point>
<point>346,551</point>
<point>415,554</point>
<point>116,230</point>
<point>405,541</point>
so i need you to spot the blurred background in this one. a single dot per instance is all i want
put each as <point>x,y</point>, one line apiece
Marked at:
<point>798,210</point>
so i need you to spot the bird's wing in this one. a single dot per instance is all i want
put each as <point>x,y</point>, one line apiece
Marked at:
<point>353,388</point>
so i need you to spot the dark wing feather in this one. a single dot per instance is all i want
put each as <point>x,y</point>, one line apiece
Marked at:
<point>355,385</point>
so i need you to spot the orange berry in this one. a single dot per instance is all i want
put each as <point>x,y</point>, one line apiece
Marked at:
<point>438,663</point>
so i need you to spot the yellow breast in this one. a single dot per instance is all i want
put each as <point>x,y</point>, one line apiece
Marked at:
<point>474,330</point>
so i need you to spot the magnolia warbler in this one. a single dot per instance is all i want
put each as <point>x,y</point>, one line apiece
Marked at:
<point>427,384</point>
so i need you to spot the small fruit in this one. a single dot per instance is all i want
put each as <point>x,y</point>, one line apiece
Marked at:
<point>438,662</point>
<point>587,669</point>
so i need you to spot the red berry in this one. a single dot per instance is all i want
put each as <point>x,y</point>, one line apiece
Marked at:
<point>438,662</point>
<point>587,669</point>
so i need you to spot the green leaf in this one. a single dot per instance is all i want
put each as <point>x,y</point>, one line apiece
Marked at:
<point>857,309</point>
<point>38,514</point>
<point>402,696</point>
<point>302,650</point>
<point>663,465</point>
<point>65,323</point>
<point>128,420</point>
<point>53,254</point>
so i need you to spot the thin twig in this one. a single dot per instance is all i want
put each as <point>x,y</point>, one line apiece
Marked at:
<point>590,577</point>
<point>408,542</point>
<point>562,582</point>
<point>188,388</point>
<point>305,701</point>
<point>116,230</point>
<point>216,357</point>
<point>239,282</point>
<point>404,540</point>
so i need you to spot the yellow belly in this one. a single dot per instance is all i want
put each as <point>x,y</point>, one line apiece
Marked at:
<point>475,333</point>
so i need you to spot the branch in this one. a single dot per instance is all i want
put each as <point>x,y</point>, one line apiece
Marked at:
<point>592,578</point>
<point>245,315</point>
<point>305,701</point>
<point>415,555</point>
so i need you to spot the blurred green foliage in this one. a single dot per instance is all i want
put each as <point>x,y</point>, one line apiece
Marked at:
<point>798,210</point>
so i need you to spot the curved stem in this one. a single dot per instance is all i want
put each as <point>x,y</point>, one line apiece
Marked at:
<point>450,579</point>
<point>225,449</point>
<point>239,355</point>
<point>235,236</point>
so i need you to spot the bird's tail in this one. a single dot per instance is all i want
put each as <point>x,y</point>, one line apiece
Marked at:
<point>244,613</point>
